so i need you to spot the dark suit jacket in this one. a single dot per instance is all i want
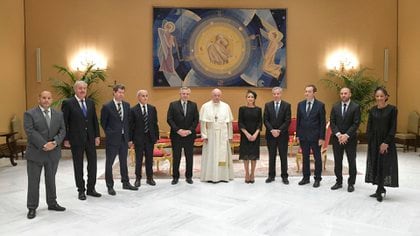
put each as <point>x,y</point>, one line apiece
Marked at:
<point>347,124</point>
<point>281,122</point>
<point>177,120</point>
<point>310,127</point>
<point>80,130</point>
<point>137,134</point>
<point>112,123</point>
<point>39,134</point>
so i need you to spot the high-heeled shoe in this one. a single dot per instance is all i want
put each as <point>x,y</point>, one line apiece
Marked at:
<point>379,196</point>
<point>251,179</point>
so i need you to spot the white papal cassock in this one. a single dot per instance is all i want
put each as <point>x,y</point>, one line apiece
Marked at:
<point>216,125</point>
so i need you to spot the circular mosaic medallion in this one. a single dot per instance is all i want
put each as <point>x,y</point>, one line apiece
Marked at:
<point>220,48</point>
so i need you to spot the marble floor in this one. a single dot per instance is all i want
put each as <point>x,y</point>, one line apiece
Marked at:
<point>233,208</point>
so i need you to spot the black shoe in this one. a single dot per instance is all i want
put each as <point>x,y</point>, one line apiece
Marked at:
<point>128,186</point>
<point>31,213</point>
<point>316,183</point>
<point>337,186</point>
<point>56,207</point>
<point>111,191</point>
<point>93,193</point>
<point>285,181</point>
<point>189,180</point>
<point>174,181</point>
<point>269,180</point>
<point>350,188</point>
<point>137,183</point>
<point>304,181</point>
<point>151,182</point>
<point>82,196</point>
<point>378,192</point>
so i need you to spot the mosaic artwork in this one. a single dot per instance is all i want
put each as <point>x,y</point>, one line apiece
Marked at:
<point>210,47</point>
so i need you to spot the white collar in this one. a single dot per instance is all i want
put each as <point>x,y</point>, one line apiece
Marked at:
<point>347,103</point>
<point>42,109</point>
<point>79,99</point>
<point>116,102</point>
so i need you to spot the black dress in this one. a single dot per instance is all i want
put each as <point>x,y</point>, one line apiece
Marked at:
<point>250,118</point>
<point>382,169</point>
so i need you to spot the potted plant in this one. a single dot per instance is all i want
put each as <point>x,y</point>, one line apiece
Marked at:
<point>65,88</point>
<point>362,86</point>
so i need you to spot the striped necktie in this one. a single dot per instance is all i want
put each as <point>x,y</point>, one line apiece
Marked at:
<point>146,120</point>
<point>119,111</point>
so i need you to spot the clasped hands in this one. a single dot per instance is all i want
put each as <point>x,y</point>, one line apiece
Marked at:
<point>49,146</point>
<point>252,138</point>
<point>184,132</point>
<point>275,132</point>
<point>342,138</point>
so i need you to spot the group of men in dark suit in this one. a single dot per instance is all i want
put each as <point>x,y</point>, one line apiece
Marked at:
<point>310,132</point>
<point>78,128</point>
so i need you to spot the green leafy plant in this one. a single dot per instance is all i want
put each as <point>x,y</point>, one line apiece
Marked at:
<point>64,88</point>
<point>361,83</point>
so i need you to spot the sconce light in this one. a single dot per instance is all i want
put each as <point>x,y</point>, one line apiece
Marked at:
<point>342,60</point>
<point>87,57</point>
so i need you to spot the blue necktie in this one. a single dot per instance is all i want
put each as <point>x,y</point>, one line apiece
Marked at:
<point>84,110</point>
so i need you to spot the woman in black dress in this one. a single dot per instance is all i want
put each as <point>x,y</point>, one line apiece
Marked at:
<point>250,121</point>
<point>382,162</point>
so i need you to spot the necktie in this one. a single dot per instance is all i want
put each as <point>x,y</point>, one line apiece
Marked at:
<point>84,110</point>
<point>277,108</point>
<point>119,110</point>
<point>146,120</point>
<point>47,118</point>
<point>184,108</point>
<point>344,109</point>
<point>308,108</point>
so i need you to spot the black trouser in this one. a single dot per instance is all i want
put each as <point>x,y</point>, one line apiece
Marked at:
<point>188,151</point>
<point>77,152</point>
<point>111,153</point>
<point>306,147</point>
<point>34,169</point>
<point>350,148</point>
<point>146,148</point>
<point>280,144</point>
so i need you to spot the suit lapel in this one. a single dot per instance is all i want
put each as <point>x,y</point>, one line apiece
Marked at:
<point>76,104</point>
<point>42,117</point>
<point>181,110</point>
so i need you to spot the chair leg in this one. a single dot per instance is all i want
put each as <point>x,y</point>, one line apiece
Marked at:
<point>297,162</point>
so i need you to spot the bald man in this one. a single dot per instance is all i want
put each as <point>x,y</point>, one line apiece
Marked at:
<point>45,129</point>
<point>144,132</point>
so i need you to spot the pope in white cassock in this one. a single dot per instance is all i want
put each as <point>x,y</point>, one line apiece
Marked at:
<point>216,130</point>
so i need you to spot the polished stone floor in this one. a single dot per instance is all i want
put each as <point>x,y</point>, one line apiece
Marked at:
<point>233,208</point>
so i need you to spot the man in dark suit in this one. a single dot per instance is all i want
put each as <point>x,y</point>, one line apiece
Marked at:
<point>144,132</point>
<point>310,131</point>
<point>115,117</point>
<point>344,122</point>
<point>82,135</point>
<point>45,130</point>
<point>183,119</point>
<point>277,115</point>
